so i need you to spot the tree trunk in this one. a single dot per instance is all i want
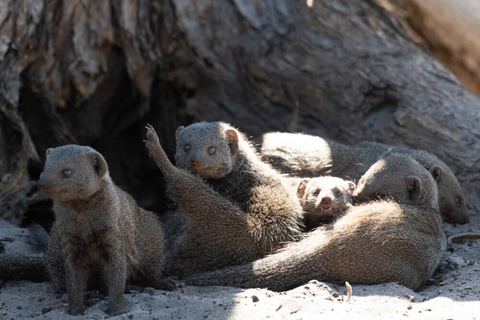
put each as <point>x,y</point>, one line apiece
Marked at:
<point>451,29</point>
<point>95,72</point>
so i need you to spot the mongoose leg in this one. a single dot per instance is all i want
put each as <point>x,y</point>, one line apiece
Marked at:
<point>117,271</point>
<point>76,283</point>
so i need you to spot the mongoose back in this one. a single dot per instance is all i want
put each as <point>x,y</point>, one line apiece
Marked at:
<point>100,235</point>
<point>376,242</point>
<point>323,199</point>
<point>309,156</point>
<point>236,207</point>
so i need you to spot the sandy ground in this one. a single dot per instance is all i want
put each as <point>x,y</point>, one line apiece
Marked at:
<point>453,293</point>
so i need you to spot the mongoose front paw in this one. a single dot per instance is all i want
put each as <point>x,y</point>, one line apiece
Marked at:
<point>152,137</point>
<point>118,308</point>
<point>76,309</point>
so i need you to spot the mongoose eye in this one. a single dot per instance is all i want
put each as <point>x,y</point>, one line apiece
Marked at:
<point>211,150</point>
<point>458,201</point>
<point>316,192</point>
<point>338,193</point>
<point>186,148</point>
<point>67,173</point>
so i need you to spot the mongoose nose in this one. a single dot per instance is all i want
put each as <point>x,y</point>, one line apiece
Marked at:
<point>41,186</point>
<point>194,162</point>
<point>326,199</point>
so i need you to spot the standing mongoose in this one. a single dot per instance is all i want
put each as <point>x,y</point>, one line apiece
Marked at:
<point>305,155</point>
<point>100,235</point>
<point>236,208</point>
<point>323,199</point>
<point>376,242</point>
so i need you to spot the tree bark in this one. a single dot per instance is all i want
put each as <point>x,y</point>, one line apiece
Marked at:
<point>95,72</point>
<point>451,29</point>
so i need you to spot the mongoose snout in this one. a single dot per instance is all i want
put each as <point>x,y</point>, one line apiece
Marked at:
<point>324,207</point>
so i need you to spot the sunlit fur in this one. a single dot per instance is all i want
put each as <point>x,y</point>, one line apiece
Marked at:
<point>305,155</point>
<point>397,240</point>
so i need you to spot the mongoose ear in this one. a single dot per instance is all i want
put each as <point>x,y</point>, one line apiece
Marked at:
<point>99,163</point>
<point>302,186</point>
<point>436,172</point>
<point>351,187</point>
<point>414,188</point>
<point>232,139</point>
<point>48,151</point>
<point>178,132</point>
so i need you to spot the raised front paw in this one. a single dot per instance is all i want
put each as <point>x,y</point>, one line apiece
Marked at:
<point>152,138</point>
<point>157,153</point>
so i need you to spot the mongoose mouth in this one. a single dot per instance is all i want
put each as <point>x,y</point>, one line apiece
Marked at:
<point>324,212</point>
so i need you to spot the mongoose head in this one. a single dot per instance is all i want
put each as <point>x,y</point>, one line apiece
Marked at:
<point>450,195</point>
<point>325,197</point>
<point>72,172</point>
<point>208,149</point>
<point>400,178</point>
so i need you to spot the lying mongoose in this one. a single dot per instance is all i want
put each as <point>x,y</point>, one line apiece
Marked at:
<point>376,242</point>
<point>450,195</point>
<point>323,199</point>
<point>305,155</point>
<point>100,235</point>
<point>236,208</point>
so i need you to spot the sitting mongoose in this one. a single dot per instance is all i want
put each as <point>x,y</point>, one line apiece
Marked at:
<point>376,242</point>
<point>100,235</point>
<point>323,199</point>
<point>235,207</point>
<point>305,155</point>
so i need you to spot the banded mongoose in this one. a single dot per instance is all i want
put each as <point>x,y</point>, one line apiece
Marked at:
<point>236,208</point>
<point>100,236</point>
<point>376,242</point>
<point>323,199</point>
<point>305,155</point>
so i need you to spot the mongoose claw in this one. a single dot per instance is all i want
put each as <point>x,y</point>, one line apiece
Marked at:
<point>152,136</point>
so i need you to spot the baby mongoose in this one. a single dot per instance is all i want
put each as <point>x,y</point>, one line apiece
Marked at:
<point>304,155</point>
<point>236,207</point>
<point>397,240</point>
<point>323,199</point>
<point>100,235</point>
